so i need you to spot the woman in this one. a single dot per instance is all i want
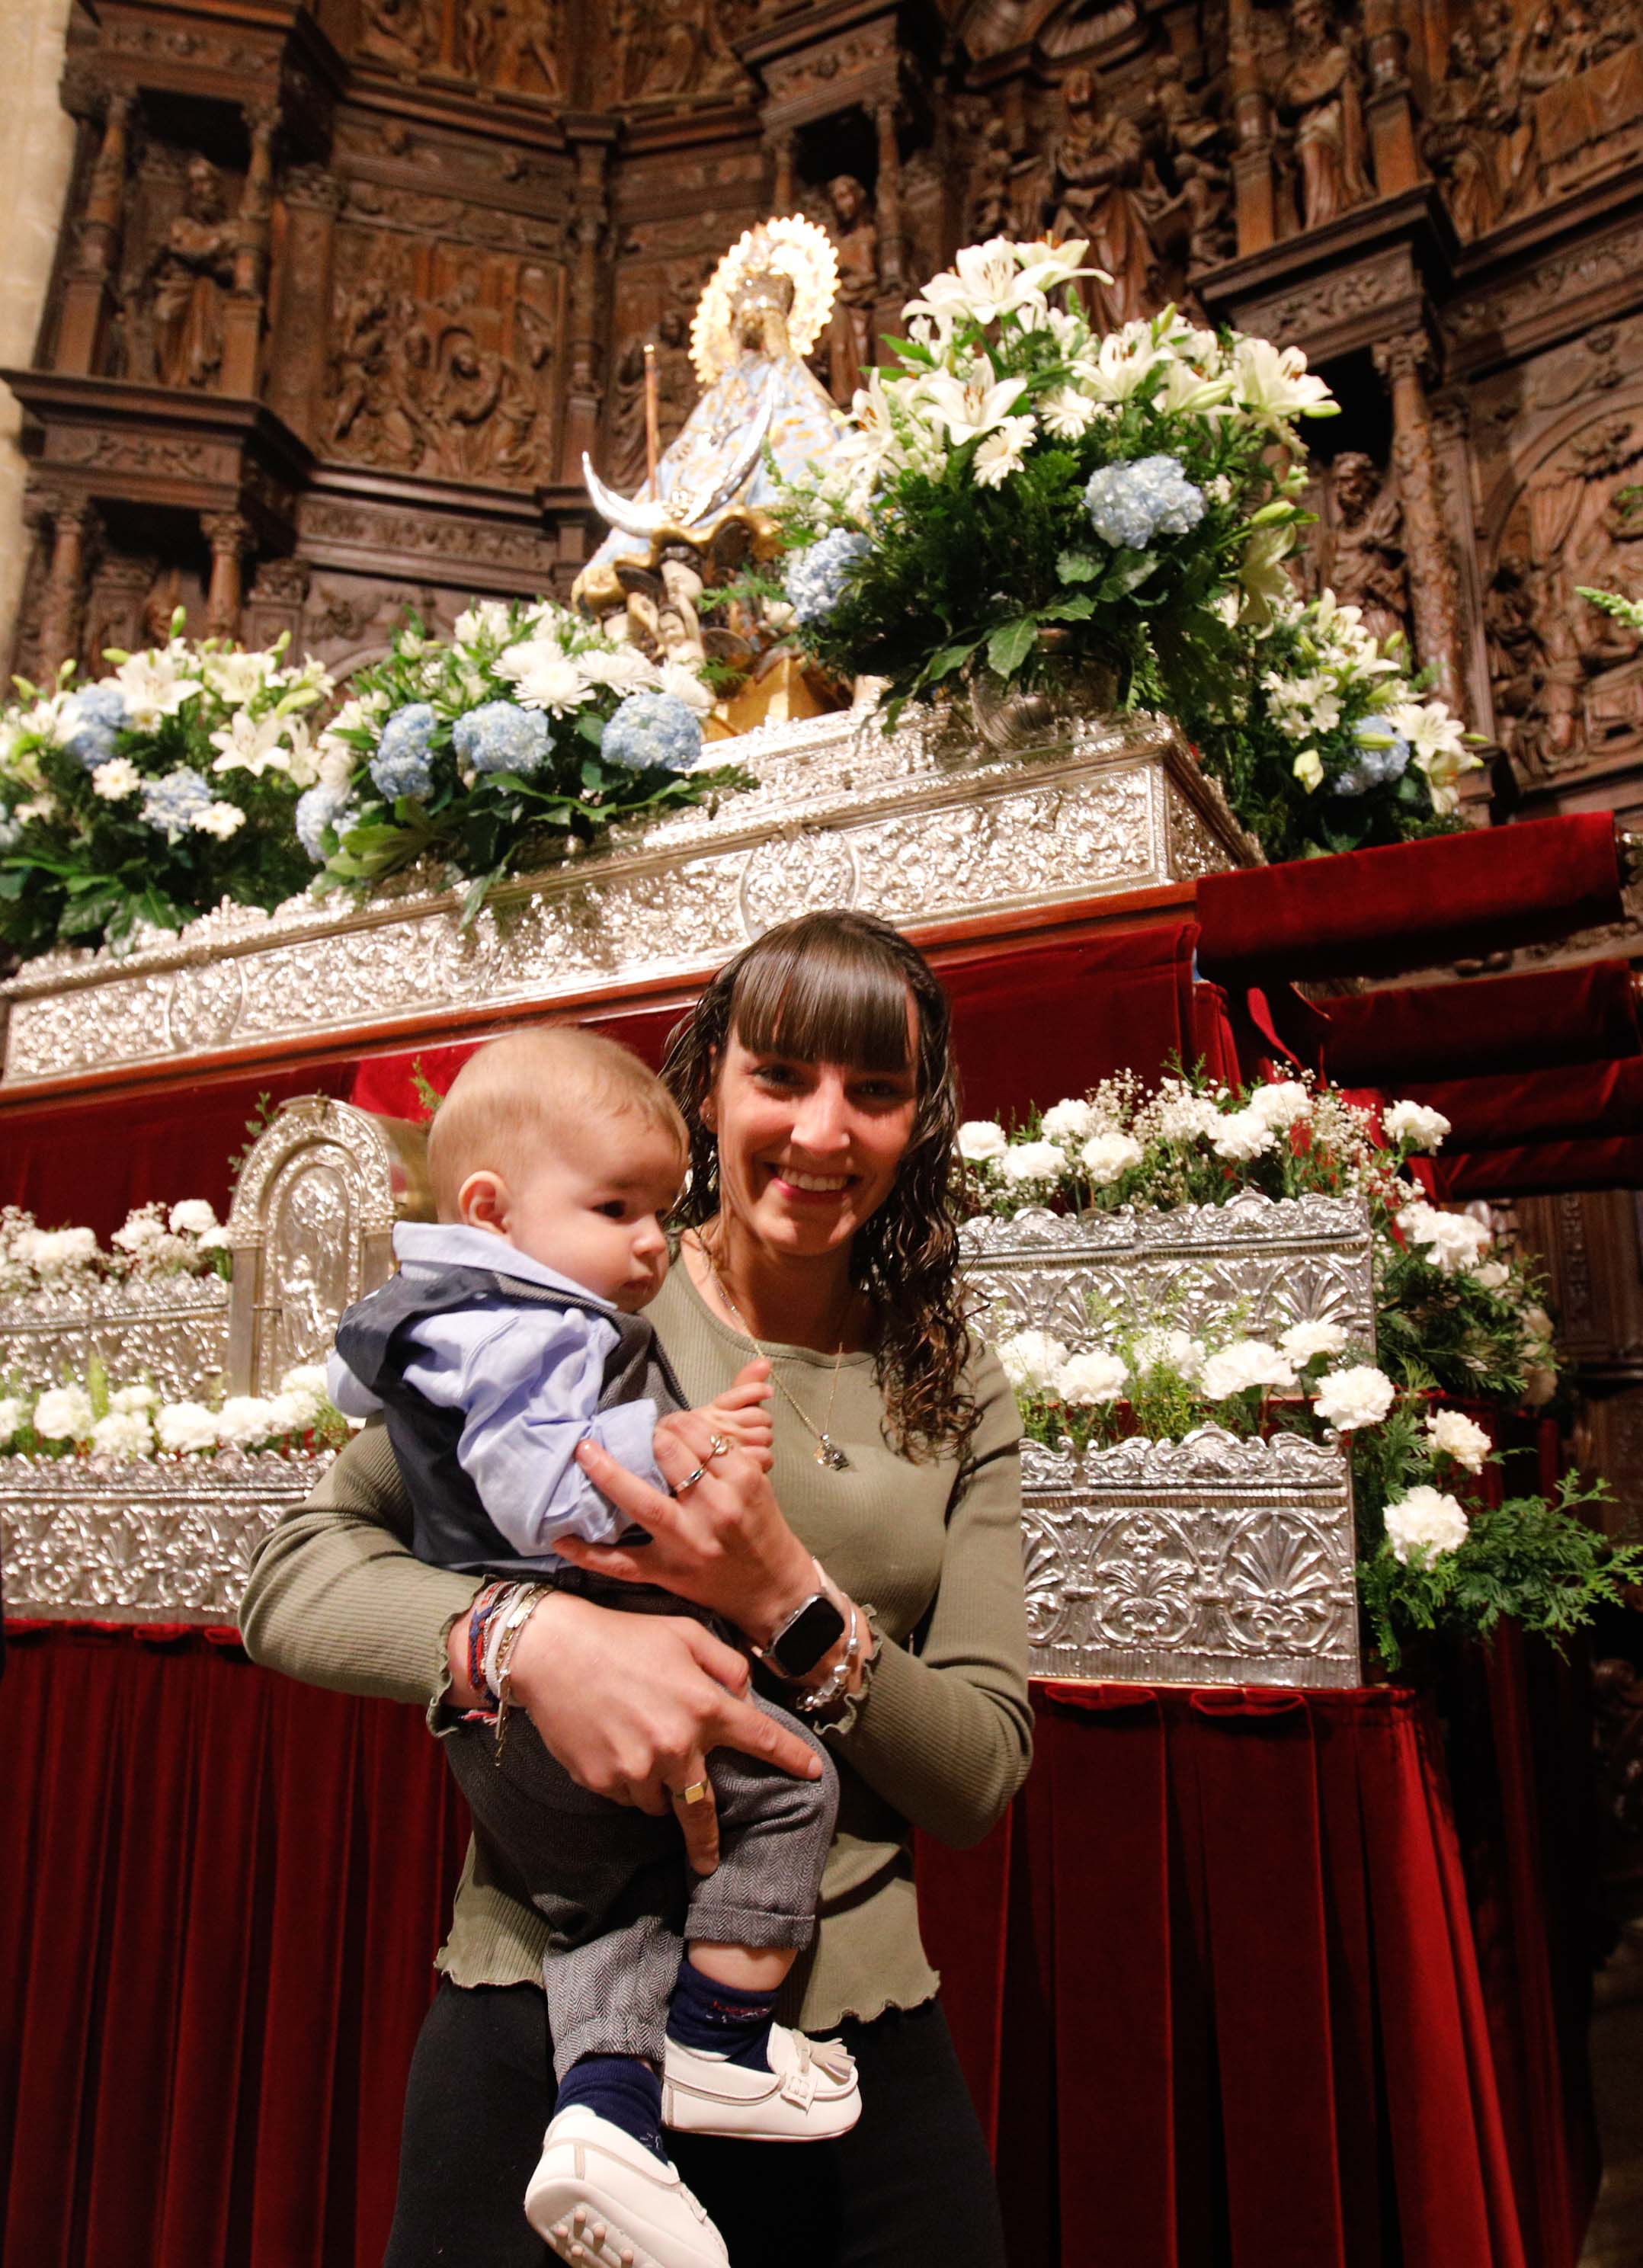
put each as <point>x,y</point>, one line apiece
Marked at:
<point>816,1076</point>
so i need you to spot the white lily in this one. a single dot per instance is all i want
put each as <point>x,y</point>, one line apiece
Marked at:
<point>1275,383</point>
<point>251,744</point>
<point>972,409</point>
<point>154,685</point>
<point>1121,362</point>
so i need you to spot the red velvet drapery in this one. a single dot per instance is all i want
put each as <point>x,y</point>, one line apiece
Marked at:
<point>1214,1982</point>
<point>1490,1026</point>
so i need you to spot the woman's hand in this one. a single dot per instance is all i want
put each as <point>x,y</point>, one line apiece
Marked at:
<point>723,1543</point>
<point>630,1704</point>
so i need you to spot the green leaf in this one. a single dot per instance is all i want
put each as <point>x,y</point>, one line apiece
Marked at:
<point>1078,567</point>
<point>950,657</point>
<point>1127,573</point>
<point>591,728</point>
<point>1078,608</point>
<point>1010,644</point>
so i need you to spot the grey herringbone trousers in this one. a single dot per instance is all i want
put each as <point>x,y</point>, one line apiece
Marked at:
<point>613,1882</point>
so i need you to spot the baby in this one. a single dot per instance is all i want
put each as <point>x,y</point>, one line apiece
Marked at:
<point>510,1334</point>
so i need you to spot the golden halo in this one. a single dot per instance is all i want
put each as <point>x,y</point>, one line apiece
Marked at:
<point>799,250</point>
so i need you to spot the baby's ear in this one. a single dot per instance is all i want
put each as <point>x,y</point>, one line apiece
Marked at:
<point>482,1202</point>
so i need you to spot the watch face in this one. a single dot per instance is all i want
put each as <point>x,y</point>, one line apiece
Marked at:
<point>798,1647</point>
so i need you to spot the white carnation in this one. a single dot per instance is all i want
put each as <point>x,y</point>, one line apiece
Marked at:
<point>1412,1122</point>
<point>52,1251</point>
<point>186,1426</point>
<point>1242,1135</point>
<point>1033,1361</point>
<point>1086,1378</point>
<point>1246,1363</point>
<point>213,1239</point>
<point>1175,1350</point>
<point>679,679</point>
<point>1282,1104</point>
<point>123,1433</point>
<point>982,1141</point>
<point>1494,1274</point>
<point>307,1378</point>
<point>13,1411</point>
<point>1425,1521</point>
<point>1067,1121</point>
<point>127,1399</point>
<point>1454,1435</point>
<point>1032,1161</point>
<point>1361,1395</point>
<point>1105,1156</point>
<point>244,1419</point>
<point>1451,1241</point>
<point>1540,1383</point>
<point>138,1233</point>
<point>64,1413</point>
<point>1537,1324</point>
<point>116,780</point>
<point>1302,1342</point>
<point>192,1216</point>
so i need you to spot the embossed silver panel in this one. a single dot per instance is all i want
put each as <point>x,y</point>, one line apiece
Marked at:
<point>920,825</point>
<point>156,1540</point>
<point>1211,1561</point>
<point>172,1332</point>
<point>1269,1262</point>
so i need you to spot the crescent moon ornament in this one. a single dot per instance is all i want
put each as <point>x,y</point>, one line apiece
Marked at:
<point>681,511</point>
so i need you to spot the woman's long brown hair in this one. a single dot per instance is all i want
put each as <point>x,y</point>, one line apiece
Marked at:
<point>833,988</point>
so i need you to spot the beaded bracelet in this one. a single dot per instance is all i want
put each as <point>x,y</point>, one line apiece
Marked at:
<point>480,1614</point>
<point>525,1606</point>
<point>837,1683</point>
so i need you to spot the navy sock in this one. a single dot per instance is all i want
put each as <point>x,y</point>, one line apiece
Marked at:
<point>721,2018</point>
<point>623,2089</point>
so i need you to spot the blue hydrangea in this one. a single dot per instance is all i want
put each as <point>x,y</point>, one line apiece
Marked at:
<point>402,765</point>
<point>501,737</point>
<point>1131,504</point>
<point>170,802</point>
<point>1381,762</point>
<point>321,807</point>
<point>94,715</point>
<point>652,732</point>
<point>817,577</point>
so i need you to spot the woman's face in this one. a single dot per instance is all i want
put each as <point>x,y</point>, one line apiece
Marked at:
<point>808,1150</point>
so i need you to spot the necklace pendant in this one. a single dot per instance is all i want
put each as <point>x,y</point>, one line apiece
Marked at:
<point>829,1455</point>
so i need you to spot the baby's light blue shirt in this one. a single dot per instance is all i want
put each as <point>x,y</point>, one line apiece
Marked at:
<point>527,1382</point>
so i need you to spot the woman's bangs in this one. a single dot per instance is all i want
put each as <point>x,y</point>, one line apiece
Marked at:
<point>818,1000</point>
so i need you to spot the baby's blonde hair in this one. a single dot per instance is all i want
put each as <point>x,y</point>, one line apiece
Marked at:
<point>532,1089</point>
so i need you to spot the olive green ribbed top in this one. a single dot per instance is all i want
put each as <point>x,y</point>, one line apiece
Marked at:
<point>940,1739</point>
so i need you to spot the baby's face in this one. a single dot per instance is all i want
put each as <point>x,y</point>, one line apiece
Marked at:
<point>594,1211</point>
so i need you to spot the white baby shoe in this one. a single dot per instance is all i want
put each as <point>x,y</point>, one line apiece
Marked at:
<point>602,2200</point>
<point>810,2093</point>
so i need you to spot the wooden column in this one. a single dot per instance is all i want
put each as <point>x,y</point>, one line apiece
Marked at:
<point>228,534</point>
<point>86,292</point>
<point>1433,590</point>
<point>1258,219</point>
<point>1396,159</point>
<point>302,314</point>
<point>242,315</point>
<point>584,371</point>
<point>781,150</point>
<point>73,522</point>
<point>892,241</point>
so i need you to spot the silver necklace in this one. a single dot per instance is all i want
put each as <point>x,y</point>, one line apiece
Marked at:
<point>827,1451</point>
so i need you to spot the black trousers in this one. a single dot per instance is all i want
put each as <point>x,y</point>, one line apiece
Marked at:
<point>911,2182</point>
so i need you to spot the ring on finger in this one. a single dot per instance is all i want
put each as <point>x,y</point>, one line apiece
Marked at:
<point>690,1480</point>
<point>697,1792</point>
<point>717,1447</point>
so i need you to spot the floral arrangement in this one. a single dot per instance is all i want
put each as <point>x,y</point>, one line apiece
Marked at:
<point>1452,1317</point>
<point>97,1419</point>
<point>1011,473</point>
<point>151,795</point>
<point>1322,739</point>
<point>516,742</point>
<point>155,1241</point>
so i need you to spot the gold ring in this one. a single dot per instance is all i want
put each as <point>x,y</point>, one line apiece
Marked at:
<point>718,1447</point>
<point>697,1792</point>
<point>690,1480</point>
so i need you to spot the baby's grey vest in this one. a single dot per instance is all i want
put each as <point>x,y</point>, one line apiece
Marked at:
<point>451,1527</point>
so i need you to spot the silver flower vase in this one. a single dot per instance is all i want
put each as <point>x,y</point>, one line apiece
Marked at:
<point>1038,705</point>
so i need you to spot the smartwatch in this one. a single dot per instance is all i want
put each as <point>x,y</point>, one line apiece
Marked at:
<point>810,1631</point>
